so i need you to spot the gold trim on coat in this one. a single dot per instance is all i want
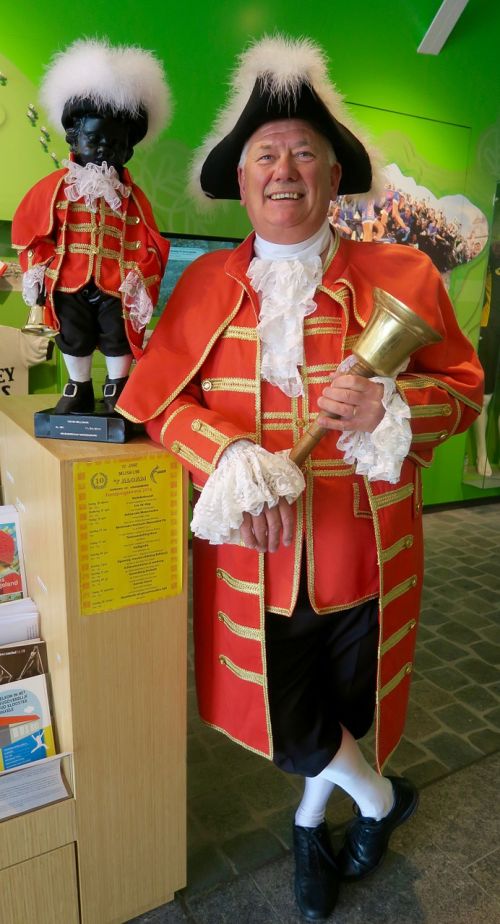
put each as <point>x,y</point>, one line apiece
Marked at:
<point>398,636</point>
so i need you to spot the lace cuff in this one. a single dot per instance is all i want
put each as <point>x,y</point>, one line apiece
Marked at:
<point>379,455</point>
<point>137,300</point>
<point>33,284</point>
<point>246,478</point>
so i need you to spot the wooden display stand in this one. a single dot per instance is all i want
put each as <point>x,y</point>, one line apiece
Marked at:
<point>118,847</point>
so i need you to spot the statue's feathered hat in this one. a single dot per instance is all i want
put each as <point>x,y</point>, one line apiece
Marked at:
<point>93,77</point>
<point>282,78</point>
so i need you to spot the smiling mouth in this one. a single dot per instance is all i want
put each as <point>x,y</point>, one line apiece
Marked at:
<point>285,195</point>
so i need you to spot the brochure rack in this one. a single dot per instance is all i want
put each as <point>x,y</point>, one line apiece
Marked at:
<point>118,677</point>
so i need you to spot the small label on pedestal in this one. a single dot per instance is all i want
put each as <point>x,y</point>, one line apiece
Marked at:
<point>76,427</point>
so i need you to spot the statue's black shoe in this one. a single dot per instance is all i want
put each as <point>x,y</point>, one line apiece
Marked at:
<point>366,840</point>
<point>316,874</point>
<point>77,398</point>
<point>112,390</point>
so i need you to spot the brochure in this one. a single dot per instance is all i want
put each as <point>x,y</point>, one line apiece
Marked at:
<point>12,575</point>
<point>26,733</point>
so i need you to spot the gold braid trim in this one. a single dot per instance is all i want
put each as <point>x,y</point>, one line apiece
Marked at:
<point>245,587</point>
<point>399,590</point>
<point>392,497</point>
<point>396,680</point>
<point>241,672</point>
<point>239,333</point>
<point>398,636</point>
<point>405,542</point>
<point>430,410</point>
<point>180,449</point>
<point>241,631</point>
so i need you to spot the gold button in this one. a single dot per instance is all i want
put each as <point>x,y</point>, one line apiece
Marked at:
<point>301,422</point>
<point>447,410</point>
<point>442,436</point>
<point>196,425</point>
<point>418,507</point>
<point>219,572</point>
<point>408,669</point>
<point>222,659</point>
<point>206,384</point>
<point>176,446</point>
<point>31,253</point>
<point>413,623</point>
<point>136,219</point>
<point>413,582</point>
<point>220,616</point>
<point>409,542</point>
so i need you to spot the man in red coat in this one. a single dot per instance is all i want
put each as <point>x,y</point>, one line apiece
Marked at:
<point>307,584</point>
<point>89,246</point>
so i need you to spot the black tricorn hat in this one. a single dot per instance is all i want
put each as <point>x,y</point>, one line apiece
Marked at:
<point>280,78</point>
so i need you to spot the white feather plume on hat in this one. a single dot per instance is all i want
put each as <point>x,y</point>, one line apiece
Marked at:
<point>283,65</point>
<point>126,79</point>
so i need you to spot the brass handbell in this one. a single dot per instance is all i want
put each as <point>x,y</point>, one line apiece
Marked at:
<point>391,335</point>
<point>35,325</point>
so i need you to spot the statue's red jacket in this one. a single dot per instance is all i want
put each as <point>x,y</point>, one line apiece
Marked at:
<point>198,388</point>
<point>74,244</point>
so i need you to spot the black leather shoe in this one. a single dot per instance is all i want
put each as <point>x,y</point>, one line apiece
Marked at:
<point>111,392</point>
<point>366,840</point>
<point>77,397</point>
<point>316,874</point>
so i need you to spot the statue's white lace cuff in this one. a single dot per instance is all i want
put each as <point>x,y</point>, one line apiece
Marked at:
<point>379,455</point>
<point>246,478</point>
<point>137,300</point>
<point>33,284</point>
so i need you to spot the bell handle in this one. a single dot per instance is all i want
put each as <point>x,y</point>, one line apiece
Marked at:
<point>314,433</point>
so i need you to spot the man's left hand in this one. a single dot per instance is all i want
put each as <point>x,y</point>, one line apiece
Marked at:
<point>357,402</point>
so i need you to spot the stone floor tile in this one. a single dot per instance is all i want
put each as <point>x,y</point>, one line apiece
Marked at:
<point>451,750</point>
<point>487,651</point>
<point>406,754</point>
<point>485,872</point>
<point>492,633</point>
<point>428,771</point>
<point>220,812</point>
<point>447,678</point>
<point>267,790</point>
<point>478,671</point>
<point>425,660</point>
<point>251,850</point>
<point>458,633</point>
<point>477,697</point>
<point>241,901</point>
<point>493,716</point>
<point>206,868</point>
<point>459,718</point>
<point>428,696</point>
<point>420,723</point>
<point>473,618</point>
<point>173,913</point>
<point>445,650</point>
<point>487,740</point>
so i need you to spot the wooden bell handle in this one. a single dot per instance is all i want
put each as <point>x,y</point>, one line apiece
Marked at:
<point>314,433</point>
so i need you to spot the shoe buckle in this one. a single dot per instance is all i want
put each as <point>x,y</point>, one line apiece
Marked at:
<point>109,390</point>
<point>70,390</point>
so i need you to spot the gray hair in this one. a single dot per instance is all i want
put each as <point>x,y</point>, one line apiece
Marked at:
<point>331,153</point>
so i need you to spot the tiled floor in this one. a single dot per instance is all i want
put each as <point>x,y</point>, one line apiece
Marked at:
<point>443,866</point>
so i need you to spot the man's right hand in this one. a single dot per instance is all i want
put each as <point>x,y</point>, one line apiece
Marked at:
<point>273,526</point>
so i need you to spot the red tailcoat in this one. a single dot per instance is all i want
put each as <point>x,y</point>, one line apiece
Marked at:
<point>198,386</point>
<point>75,244</point>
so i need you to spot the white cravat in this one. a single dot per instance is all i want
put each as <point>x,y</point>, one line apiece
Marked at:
<point>286,276</point>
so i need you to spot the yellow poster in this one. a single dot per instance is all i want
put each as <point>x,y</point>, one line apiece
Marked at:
<point>129,525</point>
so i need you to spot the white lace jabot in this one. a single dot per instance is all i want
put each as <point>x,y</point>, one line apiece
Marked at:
<point>285,277</point>
<point>94,182</point>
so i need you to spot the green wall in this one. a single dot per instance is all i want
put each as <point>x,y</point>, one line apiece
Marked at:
<point>436,116</point>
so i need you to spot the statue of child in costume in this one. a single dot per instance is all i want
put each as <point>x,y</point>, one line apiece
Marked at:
<point>88,243</point>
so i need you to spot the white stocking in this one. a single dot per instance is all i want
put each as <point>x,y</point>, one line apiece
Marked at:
<point>372,792</point>
<point>311,811</point>
<point>118,366</point>
<point>78,367</point>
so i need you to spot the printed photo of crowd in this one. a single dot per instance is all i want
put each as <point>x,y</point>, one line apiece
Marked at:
<point>451,230</point>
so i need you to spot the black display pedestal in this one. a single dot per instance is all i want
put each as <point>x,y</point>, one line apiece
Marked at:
<point>98,427</point>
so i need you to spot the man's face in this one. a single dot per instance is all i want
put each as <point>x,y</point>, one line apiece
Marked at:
<point>102,138</point>
<point>287,182</point>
